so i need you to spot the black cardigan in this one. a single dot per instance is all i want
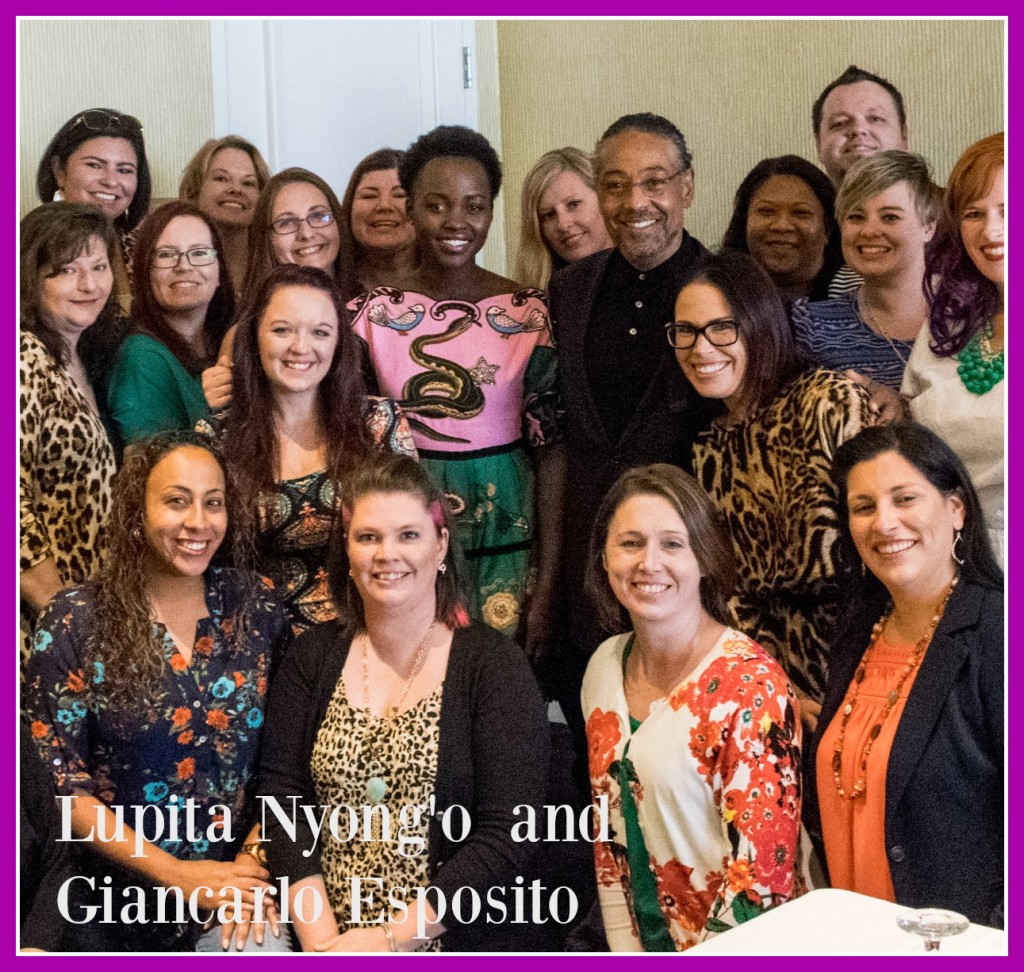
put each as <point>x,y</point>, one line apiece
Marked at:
<point>493,753</point>
<point>944,782</point>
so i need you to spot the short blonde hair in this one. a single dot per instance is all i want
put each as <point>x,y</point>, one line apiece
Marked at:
<point>195,172</point>
<point>535,261</point>
<point>876,173</point>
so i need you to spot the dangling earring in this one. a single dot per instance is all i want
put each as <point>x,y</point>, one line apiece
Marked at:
<point>957,537</point>
<point>442,567</point>
<point>58,196</point>
<point>136,534</point>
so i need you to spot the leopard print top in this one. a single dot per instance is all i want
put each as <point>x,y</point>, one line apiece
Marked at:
<point>67,464</point>
<point>769,477</point>
<point>352,747</point>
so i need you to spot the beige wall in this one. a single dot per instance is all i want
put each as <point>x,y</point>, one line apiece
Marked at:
<point>739,90</point>
<point>156,70</point>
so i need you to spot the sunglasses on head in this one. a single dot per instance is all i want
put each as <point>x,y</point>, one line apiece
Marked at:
<point>96,120</point>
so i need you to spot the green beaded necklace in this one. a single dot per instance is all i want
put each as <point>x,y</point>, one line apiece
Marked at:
<point>980,369</point>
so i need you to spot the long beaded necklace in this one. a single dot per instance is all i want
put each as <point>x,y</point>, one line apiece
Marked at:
<point>376,785</point>
<point>980,368</point>
<point>892,697</point>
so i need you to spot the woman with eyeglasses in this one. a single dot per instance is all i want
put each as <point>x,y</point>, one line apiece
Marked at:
<point>765,462</point>
<point>182,305</point>
<point>98,157</point>
<point>297,221</point>
<point>469,356</point>
<point>225,179</point>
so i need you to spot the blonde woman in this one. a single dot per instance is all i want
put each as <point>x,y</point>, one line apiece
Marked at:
<point>225,179</point>
<point>561,221</point>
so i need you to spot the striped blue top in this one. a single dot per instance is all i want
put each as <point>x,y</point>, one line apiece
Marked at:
<point>831,334</point>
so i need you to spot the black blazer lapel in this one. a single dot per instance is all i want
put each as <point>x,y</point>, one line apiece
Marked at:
<point>942,661</point>
<point>570,330</point>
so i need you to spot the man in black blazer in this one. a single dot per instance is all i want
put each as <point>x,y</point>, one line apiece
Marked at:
<point>626,400</point>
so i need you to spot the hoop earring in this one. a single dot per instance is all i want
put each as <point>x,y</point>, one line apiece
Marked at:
<point>957,538</point>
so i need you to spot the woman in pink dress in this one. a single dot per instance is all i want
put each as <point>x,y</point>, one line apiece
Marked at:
<point>469,356</point>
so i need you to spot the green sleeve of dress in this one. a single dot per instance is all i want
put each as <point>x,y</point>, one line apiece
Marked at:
<point>542,404</point>
<point>149,391</point>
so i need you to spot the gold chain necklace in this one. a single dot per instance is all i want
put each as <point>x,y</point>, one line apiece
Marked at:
<point>892,697</point>
<point>376,786</point>
<point>878,329</point>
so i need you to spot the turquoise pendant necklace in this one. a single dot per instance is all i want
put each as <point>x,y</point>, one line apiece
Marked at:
<point>980,368</point>
<point>376,787</point>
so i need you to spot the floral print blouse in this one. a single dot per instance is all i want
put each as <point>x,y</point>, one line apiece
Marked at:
<point>714,775</point>
<point>201,738</point>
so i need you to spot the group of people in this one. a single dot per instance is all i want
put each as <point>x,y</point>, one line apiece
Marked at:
<point>295,472</point>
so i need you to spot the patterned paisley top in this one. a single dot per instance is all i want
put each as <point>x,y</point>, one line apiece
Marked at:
<point>769,476</point>
<point>714,776</point>
<point>296,517</point>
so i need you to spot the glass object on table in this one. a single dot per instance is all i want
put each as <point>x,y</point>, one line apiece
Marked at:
<point>933,925</point>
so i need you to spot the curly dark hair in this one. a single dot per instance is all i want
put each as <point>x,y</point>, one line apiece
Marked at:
<point>962,300</point>
<point>929,454</point>
<point>74,133</point>
<point>450,141</point>
<point>146,313</point>
<point>709,538</point>
<point>820,184</point>
<point>53,235</point>
<point>251,448</point>
<point>379,161</point>
<point>389,473</point>
<point>261,251</point>
<point>121,637</point>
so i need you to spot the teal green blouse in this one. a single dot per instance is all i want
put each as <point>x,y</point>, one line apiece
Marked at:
<point>149,391</point>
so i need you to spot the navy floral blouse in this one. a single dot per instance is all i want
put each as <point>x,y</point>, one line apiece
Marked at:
<point>200,739</point>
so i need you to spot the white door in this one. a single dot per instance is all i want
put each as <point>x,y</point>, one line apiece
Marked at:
<point>324,93</point>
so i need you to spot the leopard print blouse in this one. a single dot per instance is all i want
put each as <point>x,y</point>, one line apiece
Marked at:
<point>352,747</point>
<point>769,477</point>
<point>67,464</point>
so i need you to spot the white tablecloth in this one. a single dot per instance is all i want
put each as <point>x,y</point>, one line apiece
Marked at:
<point>834,922</point>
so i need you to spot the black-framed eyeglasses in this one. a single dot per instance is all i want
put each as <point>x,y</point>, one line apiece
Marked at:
<point>652,187</point>
<point>97,120</point>
<point>721,333</point>
<point>198,256</point>
<point>318,219</point>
